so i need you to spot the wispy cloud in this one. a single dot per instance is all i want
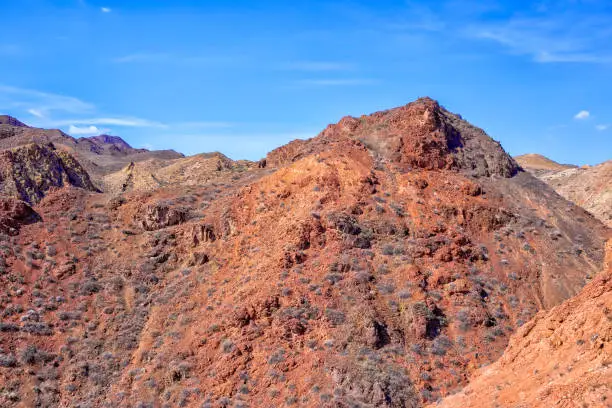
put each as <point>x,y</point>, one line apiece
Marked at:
<point>36,112</point>
<point>551,38</point>
<point>583,114</point>
<point>105,9</point>
<point>52,110</point>
<point>601,128</point>
<point>41,104</point>
<point>86,130</point>
<point>169,57</point>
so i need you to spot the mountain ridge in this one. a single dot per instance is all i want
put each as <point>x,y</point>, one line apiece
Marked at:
<point>378,264</point>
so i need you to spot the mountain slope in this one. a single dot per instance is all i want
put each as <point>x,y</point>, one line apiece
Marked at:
<point>378,264</point>
<point>538,164</point>
<point>588,186</point>
<point>560,358</point>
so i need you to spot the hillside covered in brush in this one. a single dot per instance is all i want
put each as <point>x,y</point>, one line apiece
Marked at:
<point>381,263</point>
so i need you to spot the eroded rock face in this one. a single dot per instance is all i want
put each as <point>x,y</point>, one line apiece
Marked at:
<point>15,213</point>
<point>29,172</point>
<point>160,215</point>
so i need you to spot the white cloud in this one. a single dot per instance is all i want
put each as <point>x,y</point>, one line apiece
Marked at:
<point>601,128</point>
<point>43,103</point>
<point>105,9</point>
<point>87,130</point>
<point>557,36</point>
<point>583,114</point>
<point>59,111</point>
<point>36,112</point>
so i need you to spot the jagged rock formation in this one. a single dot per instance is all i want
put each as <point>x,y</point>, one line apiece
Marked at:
<point>561,357</point>
<point>378,264</point>
<point>28,172</point>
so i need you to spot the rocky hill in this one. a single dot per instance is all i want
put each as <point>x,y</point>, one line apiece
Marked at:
<point>11,121</point>
<point>588,186</point>
<point>195,170</point>
<point>30,171</point>
<point>379,264</point>
<point>99,155</point>
<point>538,164</point>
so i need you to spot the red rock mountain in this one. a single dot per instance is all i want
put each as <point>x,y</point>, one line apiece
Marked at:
<point>381,263</point>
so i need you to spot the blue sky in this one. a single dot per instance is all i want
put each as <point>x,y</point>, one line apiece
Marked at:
<point>243,77</point>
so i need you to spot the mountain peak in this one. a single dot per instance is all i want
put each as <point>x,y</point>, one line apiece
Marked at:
<point>9,120</point>
<point>109,139</point>
<point>421,134</point>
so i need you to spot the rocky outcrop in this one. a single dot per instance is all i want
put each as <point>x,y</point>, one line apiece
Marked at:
<point>14,214</point>
<point>29,172</point>
<point>161,215</point>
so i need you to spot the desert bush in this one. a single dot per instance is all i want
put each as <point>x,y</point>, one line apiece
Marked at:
<point>277,357</point>
<point>227,346</point>
<point>334,316</point>
<point>8,360</point>
<point>441,345</point>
